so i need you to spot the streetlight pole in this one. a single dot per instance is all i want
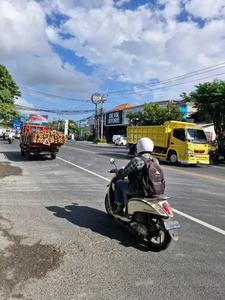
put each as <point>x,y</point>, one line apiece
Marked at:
<point>97,99</point>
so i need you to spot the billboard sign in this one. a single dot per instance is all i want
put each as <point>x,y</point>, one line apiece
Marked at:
<point>16,126</point>
<point>38,119</point>
<point>114,118</point>
<point>23,118</point>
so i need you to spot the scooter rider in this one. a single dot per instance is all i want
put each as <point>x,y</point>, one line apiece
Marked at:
<point>133,170</point>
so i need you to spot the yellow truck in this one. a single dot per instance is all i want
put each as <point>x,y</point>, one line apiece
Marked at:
<point>174,141</point>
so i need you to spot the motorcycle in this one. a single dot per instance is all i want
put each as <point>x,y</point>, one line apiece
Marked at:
<point>149,217</point>
<point>217,158</point>
<point>10,139</point>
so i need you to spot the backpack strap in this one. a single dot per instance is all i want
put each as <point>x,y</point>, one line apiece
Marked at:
<point>146,161</point>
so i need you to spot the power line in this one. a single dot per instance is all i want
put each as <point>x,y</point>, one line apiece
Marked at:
<point>166,87</point>
<point>56,111</point>
<point>51,95</point>
<point>173,79</point>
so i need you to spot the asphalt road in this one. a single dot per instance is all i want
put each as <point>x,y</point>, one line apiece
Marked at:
<point>58,243</point>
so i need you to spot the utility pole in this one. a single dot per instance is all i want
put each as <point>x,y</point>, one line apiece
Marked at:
<point>102,120</point>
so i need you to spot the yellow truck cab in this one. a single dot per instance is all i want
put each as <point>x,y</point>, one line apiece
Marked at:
<point>174,141</point>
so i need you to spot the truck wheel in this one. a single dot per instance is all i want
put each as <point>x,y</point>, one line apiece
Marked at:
<point>22,152</point>
<point>53,156</point>
<point>173,158</point>
<point>27,154</point>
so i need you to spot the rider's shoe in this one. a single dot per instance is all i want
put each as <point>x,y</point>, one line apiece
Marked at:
<point>118,211</point>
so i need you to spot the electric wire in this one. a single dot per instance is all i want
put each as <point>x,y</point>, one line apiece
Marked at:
<point>170,80</point>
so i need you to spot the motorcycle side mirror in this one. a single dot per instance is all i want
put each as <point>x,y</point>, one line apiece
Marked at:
<point>112,161</point>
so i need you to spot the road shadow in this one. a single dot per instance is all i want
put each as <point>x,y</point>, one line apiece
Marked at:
<point>16,156</point>
<point>99,222</point>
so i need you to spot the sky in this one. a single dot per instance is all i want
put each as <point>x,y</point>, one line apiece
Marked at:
<point>74,48</point>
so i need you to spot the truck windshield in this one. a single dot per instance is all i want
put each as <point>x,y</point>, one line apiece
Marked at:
<point>197,136</point>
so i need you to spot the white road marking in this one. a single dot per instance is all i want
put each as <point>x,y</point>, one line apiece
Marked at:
<point>175,210</point>
<point>86,170</point>
<point>198,221</point>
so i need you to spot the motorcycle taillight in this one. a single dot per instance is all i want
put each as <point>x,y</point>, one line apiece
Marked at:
<point>167,208</point>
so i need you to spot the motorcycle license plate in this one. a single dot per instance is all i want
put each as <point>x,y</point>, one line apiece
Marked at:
<point>171,225</point>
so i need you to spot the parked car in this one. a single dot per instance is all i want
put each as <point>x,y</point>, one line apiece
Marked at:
<point>115,137</point>
<point>121,141</point>
<point>78,138</point>
<point>2,131</point>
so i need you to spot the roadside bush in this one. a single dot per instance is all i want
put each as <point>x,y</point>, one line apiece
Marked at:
<point>86,135</point>
<point>91,138</point>
<point>98,140</point>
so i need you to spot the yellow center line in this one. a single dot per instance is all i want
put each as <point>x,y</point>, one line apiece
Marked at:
<point>83,150</point>
<point>163,167</point>
<point>193,174</point>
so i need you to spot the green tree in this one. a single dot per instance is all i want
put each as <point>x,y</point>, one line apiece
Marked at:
<point>153,114</point>
<point>75,130</point>
<point>8,90</point>
<point>209,99</point>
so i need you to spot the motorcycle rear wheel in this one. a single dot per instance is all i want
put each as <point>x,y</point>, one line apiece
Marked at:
<point>161,240</point>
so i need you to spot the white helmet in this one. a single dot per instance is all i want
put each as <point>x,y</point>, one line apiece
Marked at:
<point>144,145</point>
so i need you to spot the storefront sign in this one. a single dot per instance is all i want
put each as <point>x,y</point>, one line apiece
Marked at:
<point>114,118</point>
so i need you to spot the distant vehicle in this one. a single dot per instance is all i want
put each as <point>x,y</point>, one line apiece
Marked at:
<point>2,131</point>
<point>115,137</point>
<point>10,136</point>
<point>45,143</point>
<point>121,141</point>
<point>177,142</point>
<point>78,138</point>
<point>17,135</point>
<point>9,132</point>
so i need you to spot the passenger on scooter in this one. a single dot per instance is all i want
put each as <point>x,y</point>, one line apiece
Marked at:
<point>133,170</point>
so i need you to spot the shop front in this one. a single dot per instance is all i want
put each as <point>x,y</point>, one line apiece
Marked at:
<point>114,124</point>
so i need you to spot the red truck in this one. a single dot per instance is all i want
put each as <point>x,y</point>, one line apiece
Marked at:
<point>30,146</point>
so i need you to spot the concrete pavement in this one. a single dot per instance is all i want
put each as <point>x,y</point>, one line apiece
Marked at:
<point>60,208</point>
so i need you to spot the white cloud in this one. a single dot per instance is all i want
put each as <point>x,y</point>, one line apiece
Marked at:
<point>23,102</point>
<point>132,46</point>
<point>206,9</point>
<point>121,2</point>
<point>25,50</point>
